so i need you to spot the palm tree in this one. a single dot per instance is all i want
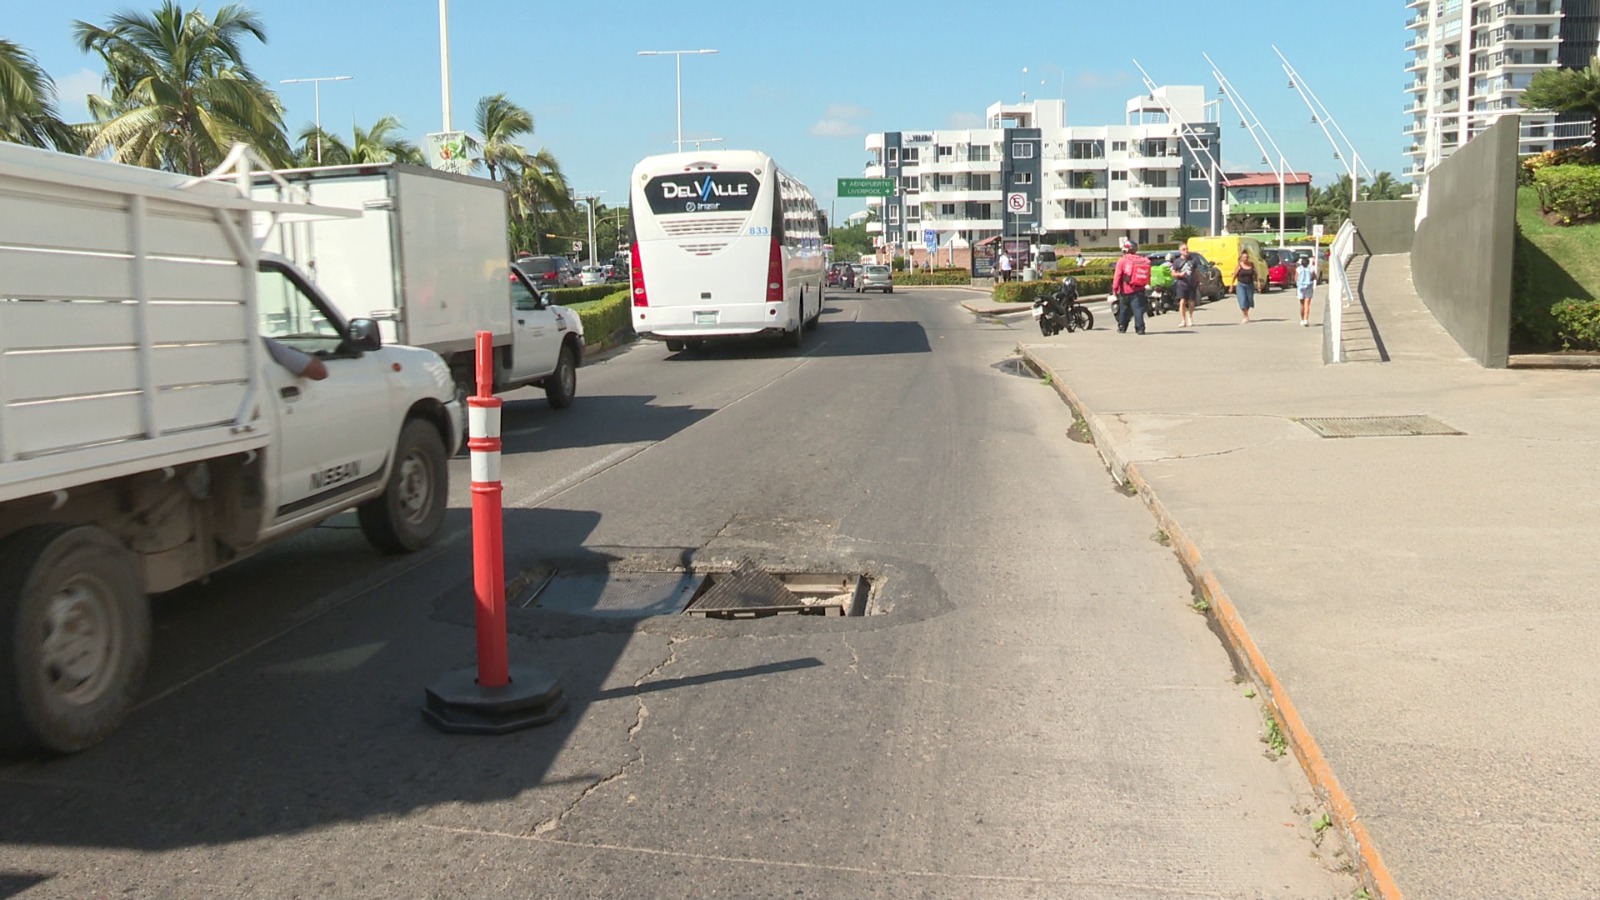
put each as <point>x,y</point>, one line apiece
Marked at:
<point>1567,90</point>
<point>501,122</point>
<point>538,191</point>
<point>381,143</point>
<point>1384,187</point>
<point>28,103</point>
<point>180,92</point>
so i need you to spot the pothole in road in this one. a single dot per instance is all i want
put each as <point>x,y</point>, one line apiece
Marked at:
<point>746,592</point>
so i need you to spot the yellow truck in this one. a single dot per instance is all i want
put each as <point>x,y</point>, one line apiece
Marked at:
<point>1223,252</point>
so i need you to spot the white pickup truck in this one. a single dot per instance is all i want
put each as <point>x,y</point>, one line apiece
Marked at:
<point>429,262</point>
<point>148,437</point>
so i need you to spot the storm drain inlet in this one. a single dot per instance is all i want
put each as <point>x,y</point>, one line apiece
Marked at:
<point>1377,426</point>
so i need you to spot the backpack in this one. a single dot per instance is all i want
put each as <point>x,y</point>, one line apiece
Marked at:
<point>1138,277</point>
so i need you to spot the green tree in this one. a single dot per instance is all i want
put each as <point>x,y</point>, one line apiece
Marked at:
<point>850,242</point>
<point>180,92</point>
<point>1183,233</point>
<point>28,103</point>
<point>501,122</point>
<point>540,194</point>
<point>379,144</point>
<point>1567,90</point>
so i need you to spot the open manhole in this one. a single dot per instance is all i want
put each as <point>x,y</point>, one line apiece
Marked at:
<point>746,592</point>
<point>1377,426</point>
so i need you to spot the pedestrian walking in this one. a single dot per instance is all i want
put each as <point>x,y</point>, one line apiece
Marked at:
<point>1244,286</point>
<point>1128,282</point>
<point>1185,280</point>
<point>1003,265</point>
<point>1305,282</point>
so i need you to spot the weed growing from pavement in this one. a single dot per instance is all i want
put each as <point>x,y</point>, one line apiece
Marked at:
<point>1249,693</point>
<point>1361,894</point>
<point>1199,604</point>
<point>1126,489</point>
<point>1322,824</point>
<point>1277,744</point>
<point>1161,538</point>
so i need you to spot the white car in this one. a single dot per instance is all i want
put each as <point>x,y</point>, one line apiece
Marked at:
<point>593,275</point>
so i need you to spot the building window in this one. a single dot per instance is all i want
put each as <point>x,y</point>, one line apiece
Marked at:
<point>1197,174</point>
<point>983,210</point>
<point>911,236</point>
<point>1119,146</point>
<point>1119,206</point>
<point>894,215</point>
<point>1086,150</point>
<point>978,153</point>
<point>894,156</point>
<point>909,156</point>
<point>984,182</point>
<point>1081,209</point>
<point>947,209</point>
<point>1156,209</point>
<point>945,152</point>
<point>1021,150</point>
<point>908,183</point>
<point>1119,174</point>
<point>1200,205</point>
<point>946,181</point>
<point>913,214</point>
<point>1022,178</point>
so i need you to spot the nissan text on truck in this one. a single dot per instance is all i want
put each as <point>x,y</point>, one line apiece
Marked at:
<point>429,261</point>
<point>148,437</point>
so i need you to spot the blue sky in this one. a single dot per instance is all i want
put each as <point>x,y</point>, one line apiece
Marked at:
<point>803,82</point>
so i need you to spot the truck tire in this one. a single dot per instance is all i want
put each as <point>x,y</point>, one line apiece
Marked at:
<point>674,346</point>
<point>408,515</point>
<point>74,637</point>
<point>562,384</point>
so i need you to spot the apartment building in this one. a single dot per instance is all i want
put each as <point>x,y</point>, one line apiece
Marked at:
<point>1085,185</point>
<point>1470,61</point>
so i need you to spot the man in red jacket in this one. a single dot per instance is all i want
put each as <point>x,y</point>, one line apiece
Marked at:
<point>1128,283</point>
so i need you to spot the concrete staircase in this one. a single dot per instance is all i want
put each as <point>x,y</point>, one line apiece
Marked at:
<point>1388,322</point>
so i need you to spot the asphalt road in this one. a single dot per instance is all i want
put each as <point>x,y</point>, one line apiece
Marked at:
<point>1031,709</point>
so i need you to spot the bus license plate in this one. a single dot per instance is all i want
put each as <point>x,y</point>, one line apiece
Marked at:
<point>705,318</point>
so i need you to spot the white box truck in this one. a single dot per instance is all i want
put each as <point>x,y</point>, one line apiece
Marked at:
<point>148,434</point>
<point>430,262</point>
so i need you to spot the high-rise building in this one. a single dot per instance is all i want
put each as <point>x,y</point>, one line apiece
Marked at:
<point>1471,59</point>
<point>1076,184</point>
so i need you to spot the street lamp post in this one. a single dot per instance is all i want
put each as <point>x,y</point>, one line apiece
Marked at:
<point>679,54</point>
<point>444,59</point>
<point>1321,116</point>
<point>590,197</point>
<point>1252,123</point>
<point>316,93</point>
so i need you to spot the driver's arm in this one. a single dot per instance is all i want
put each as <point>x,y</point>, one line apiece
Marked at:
<point>302,365</point>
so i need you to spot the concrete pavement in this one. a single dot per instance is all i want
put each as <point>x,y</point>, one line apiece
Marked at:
<point>1418,609</point>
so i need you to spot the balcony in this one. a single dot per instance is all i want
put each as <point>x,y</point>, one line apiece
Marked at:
<point>1172,160</point>
<point>1068,164</point>
<point>1417,4</point>
<point>1059,191</point>
<point>874,171</point>
<point>1137,190</point>
<point>962,195</point>
<point>874,227</point>
<point>1419,85</point>
<point>1416,43</point>
<point>875,142</point>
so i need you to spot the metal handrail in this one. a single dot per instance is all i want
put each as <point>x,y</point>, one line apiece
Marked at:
<point>1340,293</point>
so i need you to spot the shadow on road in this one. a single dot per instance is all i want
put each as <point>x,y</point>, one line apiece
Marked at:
<point>530,425</point>
<point>830,339</point>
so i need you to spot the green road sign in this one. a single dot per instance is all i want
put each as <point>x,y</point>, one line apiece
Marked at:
<point>866,187</point>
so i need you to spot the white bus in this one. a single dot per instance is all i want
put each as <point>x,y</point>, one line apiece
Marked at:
<point>725,245</point>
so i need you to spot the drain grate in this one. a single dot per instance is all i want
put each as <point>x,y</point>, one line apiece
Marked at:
<point>1376,426</point>
<point>749,591</point>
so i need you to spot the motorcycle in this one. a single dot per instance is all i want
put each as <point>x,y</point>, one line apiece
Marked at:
<point>1060,310</point>
<point>1160,300</point>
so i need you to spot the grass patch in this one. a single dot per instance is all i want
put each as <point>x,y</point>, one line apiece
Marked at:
<point>1200,604</point>
<point>1553,263</point>
<point>1277,744</point>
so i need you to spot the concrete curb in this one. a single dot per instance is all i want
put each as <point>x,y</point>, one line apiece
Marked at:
<point>1373,872</point>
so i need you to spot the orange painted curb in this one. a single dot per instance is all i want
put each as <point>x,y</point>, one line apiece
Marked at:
<point>1306,750</point>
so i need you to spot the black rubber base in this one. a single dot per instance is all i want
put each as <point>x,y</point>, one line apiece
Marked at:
<point>458,705</point>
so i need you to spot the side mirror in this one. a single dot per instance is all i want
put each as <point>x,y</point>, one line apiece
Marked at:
<point>364,335</point>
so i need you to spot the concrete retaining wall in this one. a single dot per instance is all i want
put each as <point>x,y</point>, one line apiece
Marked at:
<point>1384,226</point>
<point>1461,254</point>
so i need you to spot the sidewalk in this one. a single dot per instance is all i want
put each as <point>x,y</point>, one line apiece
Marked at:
<point>1420,609</point>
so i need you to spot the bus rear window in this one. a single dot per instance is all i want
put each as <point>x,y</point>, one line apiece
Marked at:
<point>702,192</point>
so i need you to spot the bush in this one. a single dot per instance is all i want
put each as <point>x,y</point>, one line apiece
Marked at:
<point>1028,291</point>
<point>899,264</point>
<point>575,295</point>
<point>603,319</point>
<point>1577,324</point>
<point>1569,195</point>
<point>1571,156</point>
<point>1532,325</point>
<point>937,276</point>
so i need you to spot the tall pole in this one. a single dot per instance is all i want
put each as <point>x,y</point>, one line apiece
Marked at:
<point>679,54</point>
<point>444,58</point>
<point>1252,123</point>
<point>316,93</point>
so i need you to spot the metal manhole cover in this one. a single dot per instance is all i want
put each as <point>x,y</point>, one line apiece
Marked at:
<point>1376,426</point>
<point>749,591</point>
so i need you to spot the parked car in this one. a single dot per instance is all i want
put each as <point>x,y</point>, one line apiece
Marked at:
<point>1226,249</point>
<point>1280,269</point>
<point>592,275</point>
<point>875,278</point>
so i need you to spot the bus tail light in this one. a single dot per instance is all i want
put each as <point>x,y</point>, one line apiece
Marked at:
<point>775,273</point>
<point>640,298</point>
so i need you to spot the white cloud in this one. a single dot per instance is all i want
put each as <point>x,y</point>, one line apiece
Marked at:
<point>71,91</point>
<point>841,120</point>
<point>964,121</point>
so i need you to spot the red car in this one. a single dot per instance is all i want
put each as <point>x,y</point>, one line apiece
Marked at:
<point>1280,269</point>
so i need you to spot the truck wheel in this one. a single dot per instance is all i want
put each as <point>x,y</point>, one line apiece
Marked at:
<point>74,637</point>
<point>562,384</point>
<point>408,515</point>
<point>674,346</point>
